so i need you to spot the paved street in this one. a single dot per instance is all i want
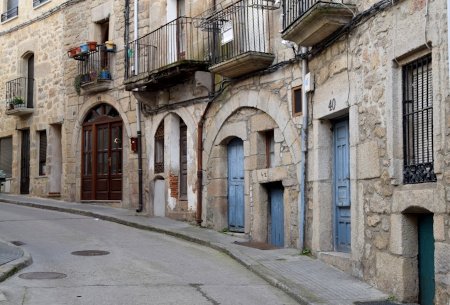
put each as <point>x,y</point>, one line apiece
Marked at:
<point>142,267</point>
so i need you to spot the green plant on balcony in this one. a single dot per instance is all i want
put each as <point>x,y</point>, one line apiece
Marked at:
<point>77,84</point>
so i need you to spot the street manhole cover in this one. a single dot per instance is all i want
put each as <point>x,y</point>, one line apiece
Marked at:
<point>42,276</point>
<point>17,243</point>
<point>90,253</point>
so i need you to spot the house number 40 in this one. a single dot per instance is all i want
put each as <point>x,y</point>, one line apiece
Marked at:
<point>332,104</point>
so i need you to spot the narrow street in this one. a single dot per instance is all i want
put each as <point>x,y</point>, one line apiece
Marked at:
<point>139,267</point>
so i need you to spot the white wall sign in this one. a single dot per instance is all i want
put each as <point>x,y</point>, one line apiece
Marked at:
<point>227,32</point>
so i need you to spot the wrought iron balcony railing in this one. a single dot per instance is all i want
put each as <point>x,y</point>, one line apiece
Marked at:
<point>19,93</point>
<point>38,2</point>
<point>176,41</point>
<point>294,9</point>
<point>239,28</point>
<point>95,65</point>
<point>13,12</point>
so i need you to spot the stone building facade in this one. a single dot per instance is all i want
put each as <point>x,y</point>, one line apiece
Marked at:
<point>225,99</point>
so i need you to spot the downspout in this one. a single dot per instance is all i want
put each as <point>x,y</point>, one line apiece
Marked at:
<point>138,110</point>
<point>199,186</point>
<point>304,144</point>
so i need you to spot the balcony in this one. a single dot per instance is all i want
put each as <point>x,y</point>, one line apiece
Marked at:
<point>9,14</point>
<point>167,56</point>
<point>37,3</point>
<point>309,22</point>
<point>241,41</point>
<point>19,96</point>
<point>94,73</point>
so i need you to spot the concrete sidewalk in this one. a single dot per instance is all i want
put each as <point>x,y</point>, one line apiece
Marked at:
<point>12,259</point>
<point>306,279</point>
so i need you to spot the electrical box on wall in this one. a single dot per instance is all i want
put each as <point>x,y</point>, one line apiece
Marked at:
<point>134,145</point>
<point>308,82</point>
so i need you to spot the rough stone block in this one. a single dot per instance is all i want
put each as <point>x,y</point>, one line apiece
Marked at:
<point>368,160</point>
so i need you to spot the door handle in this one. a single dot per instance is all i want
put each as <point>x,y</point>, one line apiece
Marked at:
<point>109,161</point>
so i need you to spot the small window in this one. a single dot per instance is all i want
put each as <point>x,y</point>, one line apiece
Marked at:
<point>42,152</point>
<point>297,101</point>
<point>270,148</point>
<point>6,156</point>
<point>418,122</point>
<point>159,149</point>
<point>37,3</point>
<point>12,10</point>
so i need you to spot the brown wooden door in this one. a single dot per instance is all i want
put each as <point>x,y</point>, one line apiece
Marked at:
<point>102,158</point>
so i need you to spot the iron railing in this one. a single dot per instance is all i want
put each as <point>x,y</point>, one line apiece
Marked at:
<point>13,12</point>
<point>418,122</point>
<point>95,65</point>
<point>38,2</point>
<point>239,28</point>
<point>294,9</point>
<point>19,93</point>
<point>176,41</point>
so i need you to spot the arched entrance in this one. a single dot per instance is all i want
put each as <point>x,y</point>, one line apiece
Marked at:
<point>101,171</point>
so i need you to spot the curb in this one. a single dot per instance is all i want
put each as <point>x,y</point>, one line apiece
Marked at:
<point>14,266</point>
<point>252,265</point>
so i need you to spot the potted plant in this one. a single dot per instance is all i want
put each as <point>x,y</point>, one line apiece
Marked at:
<point>77,84</point>
<point>110,46</point>
<point>73,52</point>
<point>17,100</point>
<point>105,74</point>
<point>92,45</point>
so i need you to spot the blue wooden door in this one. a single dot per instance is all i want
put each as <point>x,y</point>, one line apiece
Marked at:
<point>236,185</point>
<point>426,260</point>
<point>342,187</point>
<point>276,217</point>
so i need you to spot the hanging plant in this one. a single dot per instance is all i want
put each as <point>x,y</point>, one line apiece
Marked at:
<point>77,84</point>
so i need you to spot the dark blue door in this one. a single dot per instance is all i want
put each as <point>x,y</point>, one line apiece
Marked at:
<point>342,187</point>
<point>426,260</point>
<point>236,185</point>
<point>276,217</point>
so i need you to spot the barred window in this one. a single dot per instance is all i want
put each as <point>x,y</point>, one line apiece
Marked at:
<point>42,152</point>
<point>418,122</point>
<point>159,149</point>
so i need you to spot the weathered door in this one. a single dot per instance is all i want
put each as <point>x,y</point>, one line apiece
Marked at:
<point>276,216</point>
<point>342,187</point>
<point>426,260</point>
<point>102,155</point>
<point>236,185</point>
<point>25,163</point>
<point>30,82</point>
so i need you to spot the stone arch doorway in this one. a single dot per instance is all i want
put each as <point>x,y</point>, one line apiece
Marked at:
<point>102,154</point>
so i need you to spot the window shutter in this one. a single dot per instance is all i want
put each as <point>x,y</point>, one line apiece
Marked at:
<point>6,156</point>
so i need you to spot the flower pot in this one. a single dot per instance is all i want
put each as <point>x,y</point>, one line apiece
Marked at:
<point>92,45</point>
<point>110,46</point>
<point>73,52</point>
<point>84,48</point>
<point>105,74</point>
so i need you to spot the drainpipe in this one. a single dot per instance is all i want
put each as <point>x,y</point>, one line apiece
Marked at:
<point>304,143</point>
<point>199,186</point>
<point>138,110</point>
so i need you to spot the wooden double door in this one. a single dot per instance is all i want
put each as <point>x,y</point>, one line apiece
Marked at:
<point>102,160</point>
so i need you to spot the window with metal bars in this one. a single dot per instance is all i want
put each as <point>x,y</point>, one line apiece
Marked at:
<point>159,149</point>
<point>418,122</point>
<point>42,152</point>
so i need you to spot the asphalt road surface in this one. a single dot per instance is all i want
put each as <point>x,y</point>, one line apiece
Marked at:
<point>141,267</point>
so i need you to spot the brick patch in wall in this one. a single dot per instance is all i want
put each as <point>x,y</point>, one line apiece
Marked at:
<point>173,185</point>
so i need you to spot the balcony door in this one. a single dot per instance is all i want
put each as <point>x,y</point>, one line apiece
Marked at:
<point>102,155</point>
<point>30,81</point>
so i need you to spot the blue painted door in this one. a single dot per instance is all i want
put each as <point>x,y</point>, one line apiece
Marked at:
<point>276,217</point>
<point>342,187</point>
<point>236,185</point>
<point>426,260</point>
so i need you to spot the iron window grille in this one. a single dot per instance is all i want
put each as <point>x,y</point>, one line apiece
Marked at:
<point>38,2</point>
<point>10,13</point>
<point>159,149</point>
<point>418,122</point>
